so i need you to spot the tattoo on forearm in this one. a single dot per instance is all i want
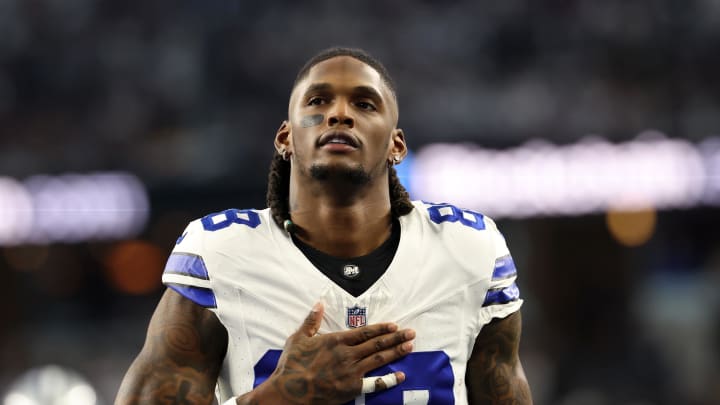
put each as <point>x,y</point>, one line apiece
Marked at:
<point>180,398</point>
<point>494,373</point>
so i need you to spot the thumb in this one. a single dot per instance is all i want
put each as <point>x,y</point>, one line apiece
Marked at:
<point>312,322</point>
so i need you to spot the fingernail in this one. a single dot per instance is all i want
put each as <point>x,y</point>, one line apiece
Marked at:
<point>391,327</point>
<point>407,346</point>
<point>410,334</point>
<point>316,307</point>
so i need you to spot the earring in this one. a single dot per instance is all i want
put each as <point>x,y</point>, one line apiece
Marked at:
<point>284,154</point>
<point>396,160</point>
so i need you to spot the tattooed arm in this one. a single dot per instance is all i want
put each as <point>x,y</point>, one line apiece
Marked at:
<point>494,373</point>
<point>181,359</point>
<point>185,348</point>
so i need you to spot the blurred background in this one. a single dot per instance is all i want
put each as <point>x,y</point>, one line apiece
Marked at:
<point>587,128</point>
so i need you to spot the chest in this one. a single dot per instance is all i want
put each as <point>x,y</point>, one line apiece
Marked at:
<point>262,299</point>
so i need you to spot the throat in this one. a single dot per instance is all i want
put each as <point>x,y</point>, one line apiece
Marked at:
<point>338,217</point>
<point>346,232</point>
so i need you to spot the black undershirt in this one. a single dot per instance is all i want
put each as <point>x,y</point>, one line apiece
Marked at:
<point>371,266</point>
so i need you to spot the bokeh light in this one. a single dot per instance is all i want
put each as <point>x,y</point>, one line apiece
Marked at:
<point>135,267</point>
<point>542,179</point>
<point>631,228</point>
<point>71,208</point>
<point>50,385</point>
<point>16,213</point>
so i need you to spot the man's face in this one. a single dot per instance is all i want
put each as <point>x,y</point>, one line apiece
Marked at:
<point>342,120</point>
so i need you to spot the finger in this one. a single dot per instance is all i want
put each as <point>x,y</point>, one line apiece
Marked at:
<point>360,335</point>
<point>375,384</point>
<point>383,342</point>
<point>384,357</point>
<point>312,322</point>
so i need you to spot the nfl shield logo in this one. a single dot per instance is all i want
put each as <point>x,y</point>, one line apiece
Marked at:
<point>356,317</point>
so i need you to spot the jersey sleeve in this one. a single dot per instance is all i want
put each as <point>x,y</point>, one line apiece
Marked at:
<point>503,295</point>
<point>186,272</point>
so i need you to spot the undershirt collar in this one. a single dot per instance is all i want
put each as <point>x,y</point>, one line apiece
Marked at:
<point>354,275</point>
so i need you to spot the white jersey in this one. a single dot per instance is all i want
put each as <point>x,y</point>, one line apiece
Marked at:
<point>452,273</point>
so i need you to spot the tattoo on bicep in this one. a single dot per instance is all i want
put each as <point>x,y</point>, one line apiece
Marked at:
<point>495,374</point>
<point>179,364</point>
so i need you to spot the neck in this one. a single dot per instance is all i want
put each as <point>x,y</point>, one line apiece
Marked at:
<point>342,222</point>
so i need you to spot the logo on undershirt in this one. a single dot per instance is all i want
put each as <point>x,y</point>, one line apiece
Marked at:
<point>351,271</point>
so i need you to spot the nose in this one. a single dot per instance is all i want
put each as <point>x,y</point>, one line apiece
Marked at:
<point>339,116</point>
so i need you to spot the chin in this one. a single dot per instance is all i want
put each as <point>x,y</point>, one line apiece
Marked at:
<point>355,174</point>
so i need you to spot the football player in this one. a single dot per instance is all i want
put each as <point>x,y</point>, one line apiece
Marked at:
<point>410,302</point>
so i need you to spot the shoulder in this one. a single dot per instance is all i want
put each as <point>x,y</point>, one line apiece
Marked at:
<point>447,220</point>
<point>206,241</point>
<point>477,246</point>
<point>231,228</point>
<point>227,219</point>
<point>472,238</point>
<point>232,221</point>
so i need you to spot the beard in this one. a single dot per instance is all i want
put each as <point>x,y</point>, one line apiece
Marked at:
<point>356,175</point>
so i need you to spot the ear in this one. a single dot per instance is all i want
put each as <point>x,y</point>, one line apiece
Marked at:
<point>283,138</point>
<point>398,147</point>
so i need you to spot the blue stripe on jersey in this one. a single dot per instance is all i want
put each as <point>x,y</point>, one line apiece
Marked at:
<point>504,268</point>
<point>502,295</point>
<point>199,295</point>
<point>187,264</point>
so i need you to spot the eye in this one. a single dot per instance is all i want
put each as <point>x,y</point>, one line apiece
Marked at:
<point>364,105</point>
<point>316,101</point>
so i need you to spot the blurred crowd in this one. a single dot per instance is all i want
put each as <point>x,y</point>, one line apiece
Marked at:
<point>159,86</point>
<point>188,94</point>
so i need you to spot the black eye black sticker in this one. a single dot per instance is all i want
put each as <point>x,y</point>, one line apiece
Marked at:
<point>311,120</point>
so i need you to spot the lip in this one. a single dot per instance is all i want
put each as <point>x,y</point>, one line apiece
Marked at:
<point>345,136</point>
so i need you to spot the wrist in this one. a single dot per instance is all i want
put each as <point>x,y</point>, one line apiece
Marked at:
<point>264,393</point>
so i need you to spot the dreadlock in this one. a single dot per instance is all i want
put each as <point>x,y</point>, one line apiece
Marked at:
<point>278,193</point>
<point>279,177</point>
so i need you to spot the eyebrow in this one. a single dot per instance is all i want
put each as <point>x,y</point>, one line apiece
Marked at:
<point>365,91</point>
<point>318,87</point>
<point>369,92</point>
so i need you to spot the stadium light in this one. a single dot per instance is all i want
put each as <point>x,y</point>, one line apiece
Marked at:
<point>594,175</point>
<point>71,208</point>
